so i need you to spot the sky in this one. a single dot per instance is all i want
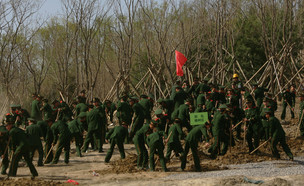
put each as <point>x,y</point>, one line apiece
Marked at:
<point>50,8</point>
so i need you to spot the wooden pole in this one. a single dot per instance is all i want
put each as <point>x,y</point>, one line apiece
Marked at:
<point>48,154</point>
<point>265,142</point>
<point>237,124</point>
<point>291,79</point>
<point>256,73</point>
<point>157,83</point>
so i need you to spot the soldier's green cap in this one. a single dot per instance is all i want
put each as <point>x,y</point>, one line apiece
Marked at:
<point>143,96</point>
<point>267,110</point>
<point>82,115</point>
<point>134,98</point>
<point>14,106</point>
<point>177,120</point>
<point>95,100</point>
<point>223,106</point>
<point>221,87</point>
<point>31,119</point>
<point>158,111</point>
<point>18,106</point>
<point>160,100</point>
<point>9,119</point>
<point>189,100</point>
<point>124,95</point>
<point>107,101</point>
<point>265,99</point>
<point>151,96</point>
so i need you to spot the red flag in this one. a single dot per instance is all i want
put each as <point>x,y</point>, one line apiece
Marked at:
<point>180,61</point>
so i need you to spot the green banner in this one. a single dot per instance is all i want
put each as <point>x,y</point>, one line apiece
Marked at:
<point>198,118</point>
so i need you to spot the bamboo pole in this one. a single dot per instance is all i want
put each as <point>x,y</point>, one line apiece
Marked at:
<point>156,83</point>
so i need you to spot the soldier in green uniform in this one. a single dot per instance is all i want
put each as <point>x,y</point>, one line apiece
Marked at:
<point>179,97</point>
<point>259,94</point>
<point>146,105</point>
<point>191,141</point>
<point>201,100</point>
<point>185,86</point>
<point>65,112</point>
<point>103,122</point>
<point>184,115</point>
<point>34,132</point>
<point>110,109</point>
<point>222,95</point>
<point>138,118</point>
<point>20,147</point>
<point>214,95</point>
<point>24,114</point>
<point>156,146</point>
<point>193,93</point>
<point>139,142</point>
<point>36,113</point>
<point>46,109</point>
<point>237,115</point>
<point>203,87</point>
<point>4,148</point>
<point>287,101</point>
<point>81,106</point>
<point>62,135</point>
<point>173,140</point>
<point>209,106</point>
<point>265,129</point>
<point>178,83</point>
<point>219,125</point>
<point>94,121</point>
<point>124,111</point>
<point>15,115</point>
<point>76,129</point>
<point>277,135</point>
<point>232,98</point>
<point>253,123</point>
<point>167,106</point>
<point>162,119</point>
<point>301,115</point>
<point>48,138</point>
<point>117,136</point>
<point>82,95</point>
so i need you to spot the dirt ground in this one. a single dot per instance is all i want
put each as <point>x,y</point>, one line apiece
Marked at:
<point>91,169</point>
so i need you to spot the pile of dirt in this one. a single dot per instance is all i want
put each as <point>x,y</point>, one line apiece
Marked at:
<point>127,165</point>
<point>27,181</point>
<point>232,181</point>
<point>278,182</point>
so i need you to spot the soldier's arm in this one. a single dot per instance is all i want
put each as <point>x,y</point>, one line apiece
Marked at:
<point>110,133</point>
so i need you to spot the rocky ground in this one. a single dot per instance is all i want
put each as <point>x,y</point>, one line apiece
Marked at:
<point>237,167</point>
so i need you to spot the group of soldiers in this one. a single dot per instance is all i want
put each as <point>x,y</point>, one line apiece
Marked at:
<point>228,108</point>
